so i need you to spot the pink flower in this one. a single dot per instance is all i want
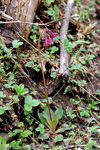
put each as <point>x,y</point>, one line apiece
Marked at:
<point>48,35</point>
<point>53,35</point>
<point>48,42</point>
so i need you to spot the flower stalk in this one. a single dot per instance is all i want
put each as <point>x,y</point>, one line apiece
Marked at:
<point>44,77</point>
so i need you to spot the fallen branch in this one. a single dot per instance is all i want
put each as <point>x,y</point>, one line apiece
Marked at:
<point>64,56</point>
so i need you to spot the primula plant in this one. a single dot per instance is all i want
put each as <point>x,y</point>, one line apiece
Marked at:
<point>66,111</point>
<point>51,124</point>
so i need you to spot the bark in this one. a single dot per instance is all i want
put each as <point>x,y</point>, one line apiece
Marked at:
<point>17,10</point>
<point>23,10</point>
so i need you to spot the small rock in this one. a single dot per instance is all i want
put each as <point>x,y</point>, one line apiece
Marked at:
<point>98,133</point>
<point>78,148</point>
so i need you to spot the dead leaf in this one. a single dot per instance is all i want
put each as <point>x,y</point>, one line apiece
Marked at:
<point>74,20</point>
<point>89,29</point>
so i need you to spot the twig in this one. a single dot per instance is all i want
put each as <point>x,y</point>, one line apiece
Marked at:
<point>64,56</point>
<point>58,91</point>
<point>17,21</point>
<point>18,66</point>
<point>5,16</point>
<point>89,93</point>
<point>31,23</point>
<point>94,118</point>
<point>23,72</point>
<point>97,146</point>
<point>4,6</point>
<point>27,41</point>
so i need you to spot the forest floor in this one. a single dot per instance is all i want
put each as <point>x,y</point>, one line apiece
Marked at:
<point>25,121</point>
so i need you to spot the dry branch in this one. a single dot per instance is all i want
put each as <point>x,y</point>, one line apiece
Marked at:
<point>64,56</point>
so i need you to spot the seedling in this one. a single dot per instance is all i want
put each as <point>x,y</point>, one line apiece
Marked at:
<point>20,89</point>
<point>53,12</point>
<point>16,43</point>
<point>3,144</point>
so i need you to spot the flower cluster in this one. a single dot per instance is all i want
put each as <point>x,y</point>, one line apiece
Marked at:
<point>48,35</point>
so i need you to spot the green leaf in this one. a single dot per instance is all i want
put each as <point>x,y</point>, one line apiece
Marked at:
<point>81,82</point>
<point>2,95</point>
<point>10,134</point>
<point>15,99</point>
<point>49,1</point>
<point>53,124</point>
<point>2,109</point>
<point>3,140</point>
<point>28,107</point>
<point>96,115</point>
<point>91,143</point>
<point>43,136</point>
<point>15,144</point>
<point>16,44</point>
<point>20,89</point>
<point>76,66</point>
<point>40,128</point>
<point>90,57</point>
<point>70,113</point>
<point>15,66</point>
<point>42,119</point>
<point>58,138</point>
<point>66,89</point>
<point>94,128</point>
<point>47,116</point>
<point>59,113</point>
<point>28,99</point>
<point>29,102</point>
<point>37,68</point>
<point>26,133</point>
<point>53,12</point>
<point>34,92</point>
<point>70,36</point>
<point>63,128</point>
<point>54,49</point>
<point>18,131</point>
<point>35,102</point>
<point>57,117</point>
<point>50,100</point>
<point>53,75</point>
<point>84,113</point>
<point>20,124</point>
<point>27,147</point>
